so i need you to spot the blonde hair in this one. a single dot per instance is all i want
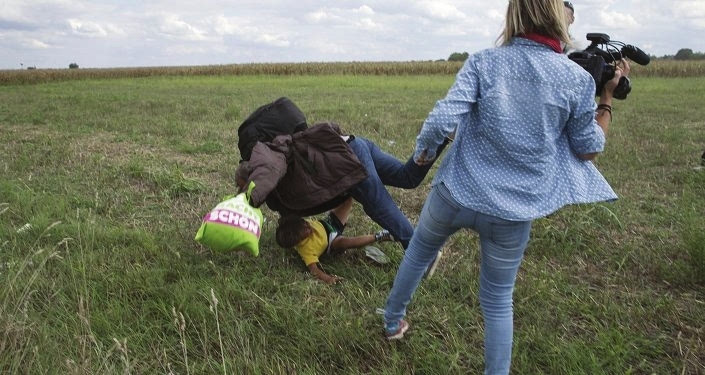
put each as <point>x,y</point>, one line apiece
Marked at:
<point>545,17</point>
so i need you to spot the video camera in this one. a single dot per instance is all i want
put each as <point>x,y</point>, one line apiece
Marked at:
<point>600,58</point>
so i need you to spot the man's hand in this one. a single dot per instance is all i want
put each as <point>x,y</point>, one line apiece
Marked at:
<point>423,159</point>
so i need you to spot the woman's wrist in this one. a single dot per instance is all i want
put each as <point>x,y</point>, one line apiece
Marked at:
<point>600,112</point>
<point>606,98</point>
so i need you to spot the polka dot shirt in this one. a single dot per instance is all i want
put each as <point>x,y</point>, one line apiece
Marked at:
<point>522,113</point>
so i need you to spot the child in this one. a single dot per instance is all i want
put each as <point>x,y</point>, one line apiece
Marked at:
<point>312,238</point>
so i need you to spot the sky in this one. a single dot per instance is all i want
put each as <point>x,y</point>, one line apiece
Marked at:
<point>131,33</point>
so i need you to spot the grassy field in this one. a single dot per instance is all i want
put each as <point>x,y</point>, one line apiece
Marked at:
<point>103,184</point>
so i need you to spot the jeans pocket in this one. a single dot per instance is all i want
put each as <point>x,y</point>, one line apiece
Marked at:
<point>441,205</point>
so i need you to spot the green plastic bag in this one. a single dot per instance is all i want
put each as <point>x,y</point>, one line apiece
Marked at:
<point>232,225</point>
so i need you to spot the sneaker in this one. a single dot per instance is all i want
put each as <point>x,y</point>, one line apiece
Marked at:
<point>376,255</point>
<point>383,235</point>
<point>432,268</point>
<point>399,333</point>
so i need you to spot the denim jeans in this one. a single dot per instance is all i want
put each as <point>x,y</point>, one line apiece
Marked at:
<point>384,169</point>
<point>502,245</point>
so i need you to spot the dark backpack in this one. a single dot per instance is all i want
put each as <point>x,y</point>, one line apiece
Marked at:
<point>280,117</point>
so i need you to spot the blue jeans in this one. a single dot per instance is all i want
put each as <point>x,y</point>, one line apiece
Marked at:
<point>502,245</point>
<point>384,169</point>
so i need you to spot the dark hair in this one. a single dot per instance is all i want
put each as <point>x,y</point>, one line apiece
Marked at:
<point>291,230</point>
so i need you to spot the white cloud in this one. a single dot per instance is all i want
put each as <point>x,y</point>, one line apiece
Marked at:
<point>359,18</point>
<point>13,11</point>
<point>367,24</point>
<point>226,26</point>
<point>690,12</point>
<point>172,26</point>
<point>365,10</point>
<point>618,20</point>
<point>689,9</point>
<point>87,28</point>
<point>323,15</point>
<point>21,41</point>
<point>35,44</point>
<point>240,28</point>
<point>440,10</point>
<point>176,50</point>
<point>273,40</point>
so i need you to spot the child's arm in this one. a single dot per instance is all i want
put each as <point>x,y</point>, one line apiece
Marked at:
<point>321,275</point>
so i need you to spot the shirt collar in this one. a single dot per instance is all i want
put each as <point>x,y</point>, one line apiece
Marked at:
<point>552,43</point>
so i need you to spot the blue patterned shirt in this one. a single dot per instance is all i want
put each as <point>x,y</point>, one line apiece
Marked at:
<point>522,113</point>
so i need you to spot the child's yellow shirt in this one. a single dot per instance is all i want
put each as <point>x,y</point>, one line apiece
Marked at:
<point>313,246</point>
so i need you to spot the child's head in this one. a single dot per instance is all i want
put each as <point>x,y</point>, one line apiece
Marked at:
<point>291,230</point>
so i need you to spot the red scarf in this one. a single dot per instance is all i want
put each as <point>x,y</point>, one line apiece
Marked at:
<point>554,43</point>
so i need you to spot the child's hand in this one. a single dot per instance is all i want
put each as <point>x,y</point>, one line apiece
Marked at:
<point>333,279</point>
<point>321,275</point>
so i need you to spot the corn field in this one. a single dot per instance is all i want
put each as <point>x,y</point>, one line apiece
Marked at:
<point>657,68</point>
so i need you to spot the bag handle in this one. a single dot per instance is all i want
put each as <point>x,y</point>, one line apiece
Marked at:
<point>248,193</point>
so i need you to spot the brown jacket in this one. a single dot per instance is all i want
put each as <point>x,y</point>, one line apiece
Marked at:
<point>305,173</point>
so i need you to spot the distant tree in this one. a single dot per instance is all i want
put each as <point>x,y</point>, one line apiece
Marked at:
<point>31,67</point>
<point>684,54</point>
<point>457,56</point>
<point>73,66</point>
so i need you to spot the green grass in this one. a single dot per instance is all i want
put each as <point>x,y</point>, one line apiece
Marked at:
<point>103,184</point>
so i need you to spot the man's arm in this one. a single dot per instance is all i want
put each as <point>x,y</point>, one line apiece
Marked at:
<point>267,167</point>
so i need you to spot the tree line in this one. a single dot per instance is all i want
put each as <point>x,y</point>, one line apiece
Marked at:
<point>687,54</point>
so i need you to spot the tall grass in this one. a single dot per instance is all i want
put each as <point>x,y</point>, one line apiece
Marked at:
<point>277,69</point>
<point>658,68</point>
<point>670,68</point>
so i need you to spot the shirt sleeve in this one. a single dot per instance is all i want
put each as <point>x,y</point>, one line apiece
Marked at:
<point>267,169</point>
<point>449,112</point>
<point>584,133</point>
<point>307,255</point>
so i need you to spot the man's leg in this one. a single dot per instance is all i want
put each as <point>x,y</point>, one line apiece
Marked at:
<point>393,172</point>
<point>342,212</point>
<point>375,198</point>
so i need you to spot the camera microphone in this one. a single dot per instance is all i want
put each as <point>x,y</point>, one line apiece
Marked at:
<point>636,54</point>
<point>600,60</point>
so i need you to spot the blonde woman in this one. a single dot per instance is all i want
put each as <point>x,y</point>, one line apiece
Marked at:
<point>526,129</point>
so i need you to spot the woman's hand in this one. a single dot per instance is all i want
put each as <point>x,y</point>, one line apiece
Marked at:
<point>621,69</point>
